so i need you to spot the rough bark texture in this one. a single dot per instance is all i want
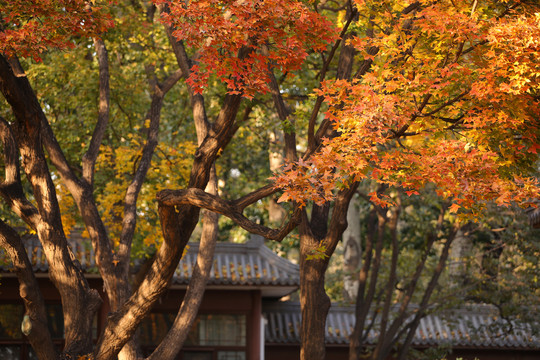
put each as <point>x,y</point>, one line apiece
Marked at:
<point>320,233</point>
<point>68,279</point>
<point>10,241</point>
<point>313,299</point>
<point>122,324</point>
<point>38,332</point>
<point>174,340</point>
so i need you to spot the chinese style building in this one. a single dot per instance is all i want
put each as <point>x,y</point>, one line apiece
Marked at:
<point>242,316</point>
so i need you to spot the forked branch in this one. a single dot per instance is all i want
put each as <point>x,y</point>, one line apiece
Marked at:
<point>203,200</point>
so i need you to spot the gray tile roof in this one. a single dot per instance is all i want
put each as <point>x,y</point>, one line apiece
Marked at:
<point>476,326</point>
<point>81,248</point>
<point>250,264</point>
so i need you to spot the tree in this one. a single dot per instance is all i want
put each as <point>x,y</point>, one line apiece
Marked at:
<point>422,94</point>
<point>406,248</point>
<point>424,106</point>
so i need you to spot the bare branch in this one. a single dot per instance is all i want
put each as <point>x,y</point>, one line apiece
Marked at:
<point>201,199</point>
<point>171,80</point>
<point>197,100</point>
<point>89,159</point>
<point>316,108</point>
<point>129,219</point>
<point>284,115</point>
<point>445,104</point>
<point>255,196</point>
<point>427,294</point>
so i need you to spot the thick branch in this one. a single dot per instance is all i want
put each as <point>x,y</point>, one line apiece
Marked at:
<point>197,100</point>
<point>82,194</point>
<point>39,334</point>
<point>11,189</point>
<point>66,276</point>
<point>203,200</point>
<point>129,219</point>
<point>122,324</point>
<point>338,220</point>
<point>173,341</point>
<point>171,80</point>
<point>344,71</point>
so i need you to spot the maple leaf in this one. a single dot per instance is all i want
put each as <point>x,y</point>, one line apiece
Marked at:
<point>454,208</point>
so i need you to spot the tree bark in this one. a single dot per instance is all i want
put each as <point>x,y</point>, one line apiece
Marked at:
<point>316,236</point>
<point>314,302</point>
<point>352,252</point>
<point>67,277</point>
<point>38,333</point>
<point>174,340</point>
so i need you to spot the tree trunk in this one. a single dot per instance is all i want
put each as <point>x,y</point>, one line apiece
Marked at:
<point>352,252</point>
<point>318,239</point>
<point>276,213</point>
<point>36,330</point>
<point>187,313</point>
<point>314,302</point>
<point>79,302</point>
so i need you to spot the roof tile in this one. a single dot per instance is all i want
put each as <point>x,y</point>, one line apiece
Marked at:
<point>475,325</point>
<point>250,264</point>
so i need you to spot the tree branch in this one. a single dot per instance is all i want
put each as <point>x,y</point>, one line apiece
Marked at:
<point>171,80</point>
<point>283,113</point>
<point>352,14</point>
<point>66,276</point>
<point>11,189</point>
<point>121,325</point>
<point>425,299</point>
<point>203,200</point>
<point>187,313</point>
<point>129,220</point>
<point>445,104</point>
<point>254,196</point>
<point>90,157</point>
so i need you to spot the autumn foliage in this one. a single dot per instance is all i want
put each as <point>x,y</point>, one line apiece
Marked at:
<point>29,28</point>
<point>451,101</point>
<point>240,40</point>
